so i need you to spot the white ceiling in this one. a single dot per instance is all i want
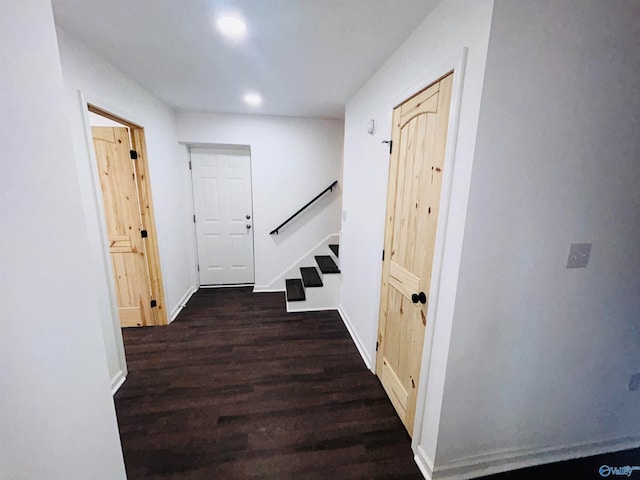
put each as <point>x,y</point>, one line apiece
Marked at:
<point>305,57</point>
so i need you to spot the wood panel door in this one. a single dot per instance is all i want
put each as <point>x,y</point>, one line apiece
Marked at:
<point>117,171</point>
<point>224,218</point>
<point>415,179</point>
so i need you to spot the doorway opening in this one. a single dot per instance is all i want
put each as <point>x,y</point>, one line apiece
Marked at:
<point>123,171</point>
<point>223,214</point>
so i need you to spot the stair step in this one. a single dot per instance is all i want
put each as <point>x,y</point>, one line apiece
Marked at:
<point>310,277</point>
<point>335,248</point>
<point>326,264</point>
<point>295,290</point>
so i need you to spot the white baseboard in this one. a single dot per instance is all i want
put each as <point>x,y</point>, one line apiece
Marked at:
<point>425,464</point>
<point>266,289</point>
<point>182,303</point>
<point>117,381</point>
<point>356,339</point>
<point>505,460</point>
<point>293,309</point>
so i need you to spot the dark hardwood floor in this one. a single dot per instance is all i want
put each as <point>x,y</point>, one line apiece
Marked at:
<point>236,388</point>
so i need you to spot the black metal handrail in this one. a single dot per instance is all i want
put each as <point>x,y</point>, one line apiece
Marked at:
<point>277,229</point>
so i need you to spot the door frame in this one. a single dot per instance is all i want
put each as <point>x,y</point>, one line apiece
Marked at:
<point>92,103</point>
<point>145,199</point>
<point>221,146</point>
<point>440,312</point>
<point>152,253</point>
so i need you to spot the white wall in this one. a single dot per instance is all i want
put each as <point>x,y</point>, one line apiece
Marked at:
<point>541,356</point>
<point>292,160</point>
<point>58,418</point>
<point>105,86</point>
<point>452,25</point>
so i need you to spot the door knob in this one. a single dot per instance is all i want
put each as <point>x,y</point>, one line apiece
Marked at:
<point>419,297</point>
<point>248,217</point>
<point>248,226</point>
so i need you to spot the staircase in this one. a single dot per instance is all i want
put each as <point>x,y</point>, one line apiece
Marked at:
<point>318,286</point>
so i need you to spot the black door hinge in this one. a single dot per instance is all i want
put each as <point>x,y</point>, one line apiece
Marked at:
<point>383,255</point>
<point>189,164</point>
<point>154,304</point>
<point>134,154</point>
<point>143,233</point>
<point>377,345</point>
<point>194,219</point>
<point>198,267</point>
<point>390,142</point>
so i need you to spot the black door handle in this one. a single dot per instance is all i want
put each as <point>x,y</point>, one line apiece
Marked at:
<point>419,297</point>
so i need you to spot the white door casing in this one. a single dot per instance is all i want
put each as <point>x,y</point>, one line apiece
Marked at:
<point>222,201</point>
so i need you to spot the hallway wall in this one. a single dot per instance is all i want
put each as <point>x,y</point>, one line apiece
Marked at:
<point>58,419</point>
<point>452,26</point>
<point>545,354</point>
<point>292,160</point>
<point>111,90</point>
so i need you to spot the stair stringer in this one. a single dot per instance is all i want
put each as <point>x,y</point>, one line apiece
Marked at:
<point>293,271</point>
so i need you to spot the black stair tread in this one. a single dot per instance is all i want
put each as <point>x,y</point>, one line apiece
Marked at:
<point>335,248</point>
<point>326,264</point>
<point>310,277</point>
<point>295,290</point>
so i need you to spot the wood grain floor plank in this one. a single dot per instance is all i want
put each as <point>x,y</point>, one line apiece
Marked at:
<point>236,388</point>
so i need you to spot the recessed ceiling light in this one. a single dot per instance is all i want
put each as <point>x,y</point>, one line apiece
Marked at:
<point>231,26</point>
<point>253,99</point>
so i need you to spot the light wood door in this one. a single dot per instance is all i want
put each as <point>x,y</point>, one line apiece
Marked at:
<point>124,225</point>
<point>224,218</point>
<point>415,179</point>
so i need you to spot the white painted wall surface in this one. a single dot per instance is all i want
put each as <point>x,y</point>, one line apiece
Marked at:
<point>541,356</point>
<point>58,419</point>
<point>452,25</point>
<point>292,160</point>
<point>102,84</point>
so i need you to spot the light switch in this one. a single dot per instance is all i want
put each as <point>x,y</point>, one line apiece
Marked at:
<point>579,255</point>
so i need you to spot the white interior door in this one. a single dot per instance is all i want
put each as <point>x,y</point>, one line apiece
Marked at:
<point>224,217</point>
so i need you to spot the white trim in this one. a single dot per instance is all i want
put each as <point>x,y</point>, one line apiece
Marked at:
<point>245,150</point>
<point>106,105</point>
<point>427,386</point>
<point>224,146</point>
<point>102,221</point>
<point>266,289</point>
<point>439,324</point>
<point>368,361</point>
<point>512,459</point>
<point>117,381</point>
<point>425,464</point>
<point>195,272</point>
<point>293,309</point>
<point>231,285</point>
<point>182,303</point>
